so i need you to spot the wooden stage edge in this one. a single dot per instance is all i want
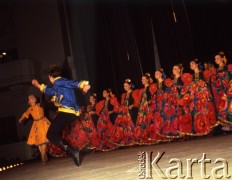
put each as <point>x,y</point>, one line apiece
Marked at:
<point>212,157</point>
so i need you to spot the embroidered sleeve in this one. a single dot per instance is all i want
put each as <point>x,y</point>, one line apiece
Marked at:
<point>115,103</point>
<point>82,84</point>
<point>99,106</point>
<point>123,98</point>
<point>153,88</point>
<point>136,97</point>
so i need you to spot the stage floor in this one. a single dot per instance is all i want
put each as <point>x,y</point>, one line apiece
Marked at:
<point>123,164</point>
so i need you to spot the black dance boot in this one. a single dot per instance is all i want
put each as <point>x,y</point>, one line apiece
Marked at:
<point>70,151</point>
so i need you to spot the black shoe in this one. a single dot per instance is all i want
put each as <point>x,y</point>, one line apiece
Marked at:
<point>74,153</point>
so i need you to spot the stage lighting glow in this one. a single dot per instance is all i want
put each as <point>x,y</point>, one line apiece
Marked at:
<point>10,166</point>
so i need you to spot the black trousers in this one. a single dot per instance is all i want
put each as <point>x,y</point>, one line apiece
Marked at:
<point>58,124</point>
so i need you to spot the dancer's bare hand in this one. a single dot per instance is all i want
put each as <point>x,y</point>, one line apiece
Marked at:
<point>35,83</point>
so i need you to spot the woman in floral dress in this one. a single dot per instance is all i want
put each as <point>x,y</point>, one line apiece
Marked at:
<point>89,122</point>
<point>123,133</point>
<point>198,115</point>
<point>143,132</point>
<point>170,111</point>
<point>221,85</point>
<point>106,109</point>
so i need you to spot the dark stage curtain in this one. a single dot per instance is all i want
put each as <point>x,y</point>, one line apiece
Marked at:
<point>114,40</point>
<point>211,29</point>
<point>174,38</point>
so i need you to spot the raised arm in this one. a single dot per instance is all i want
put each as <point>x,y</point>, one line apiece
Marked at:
<point>35,83</point>
<point>24,116</point>
<point>83,85</point>
<point>42,87</point>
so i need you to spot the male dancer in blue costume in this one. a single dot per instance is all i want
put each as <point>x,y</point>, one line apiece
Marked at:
<point>68,110</point>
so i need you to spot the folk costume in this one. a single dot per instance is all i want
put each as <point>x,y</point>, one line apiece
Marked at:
<point>68,111</point>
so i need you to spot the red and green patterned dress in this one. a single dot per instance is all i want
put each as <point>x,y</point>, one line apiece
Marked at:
<point>197,111</point>
<point>221,85</point>
<point>104,124</point>
<point>123,132</point>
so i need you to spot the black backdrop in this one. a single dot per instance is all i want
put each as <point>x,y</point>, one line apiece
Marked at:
<point>113,40</point>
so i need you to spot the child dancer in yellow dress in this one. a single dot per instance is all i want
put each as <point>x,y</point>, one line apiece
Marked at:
<point>39,127</point>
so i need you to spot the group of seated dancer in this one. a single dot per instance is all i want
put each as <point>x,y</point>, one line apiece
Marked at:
<point>188,104</point>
